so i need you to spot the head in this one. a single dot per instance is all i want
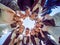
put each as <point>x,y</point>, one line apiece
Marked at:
<point>38,19</point>
<point>16,18</point>
<point>27,11</point>
<point>32,31</point>
<point>13,25</point>
<point>27,31</point>
<point>39,24</point>
<point>37,30</point>
<point>21,30</point>
<point>33,16</point>
<point>19,22</point>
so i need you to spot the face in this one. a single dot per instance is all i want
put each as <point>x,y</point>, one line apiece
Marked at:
<point>19,23</point>
<point>22,27</point>
<point>35,14</point>
<point>32,17</point>
<point>16,18</point>
<point>32,32</point>
<point>24,16</point>
<point>21,30</point>
<point>37,30</point>
<point>27,11</point>
<point>38,19</point>
<point>27,32</point>
<point>36,33</point>
<point>37,25</point>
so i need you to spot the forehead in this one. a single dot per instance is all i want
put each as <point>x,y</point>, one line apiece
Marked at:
<point>27,30</point>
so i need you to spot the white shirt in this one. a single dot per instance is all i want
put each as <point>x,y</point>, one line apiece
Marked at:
<point>13,35</point>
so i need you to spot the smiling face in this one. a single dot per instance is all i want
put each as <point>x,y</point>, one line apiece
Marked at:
<point>27,31</point>
<point>21,30</point>
<point>33,16</point>
<point>32,32</point>
<point>16,18</point>
<point>37,30</point>
<point>27,11</point>
<point>19,23</point>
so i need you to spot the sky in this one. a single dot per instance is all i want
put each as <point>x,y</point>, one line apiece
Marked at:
<point>54,11</point>
<point>28,23</point>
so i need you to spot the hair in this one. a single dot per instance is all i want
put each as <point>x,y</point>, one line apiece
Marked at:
<point>26,7</point>
<point>41,26</point>
<point>13,25</point>
<point>27,28</point>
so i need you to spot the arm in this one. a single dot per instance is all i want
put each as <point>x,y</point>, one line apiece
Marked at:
<point>34,6</point>
<point>42,34</point>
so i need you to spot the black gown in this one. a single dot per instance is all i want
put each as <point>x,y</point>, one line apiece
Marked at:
<point>24,3</point>
<point>33,40</point>
<point>47,40</point>
<point>27,41</point>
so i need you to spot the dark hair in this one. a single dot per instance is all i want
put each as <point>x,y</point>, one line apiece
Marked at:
<point>41,26</point>
<point>26,8</point>
<point>13,25</point>
<point>50,22</point>
<point>27,28</point>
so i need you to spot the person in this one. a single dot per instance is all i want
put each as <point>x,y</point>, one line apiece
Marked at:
<point>36,38</point>
<point>22,4</point>
<point>39,34</point>
<point>13,25</point>
<point>6,15</point>
<point>37,19</point>
<point>43,36</point>
<point>17,35</point>
<point>26,37</point>
<point>38,6</point>
<point>33,16</point>
<point>48,40</point>
<point>27,11</point>
<point>20,36</point>
<point>11,4</point>
<point>16,17</point>
<point>21,14</point>
<point>19,23</point>
<point>13,37</point>
<point>48,20</point>
<point>32,36</point>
